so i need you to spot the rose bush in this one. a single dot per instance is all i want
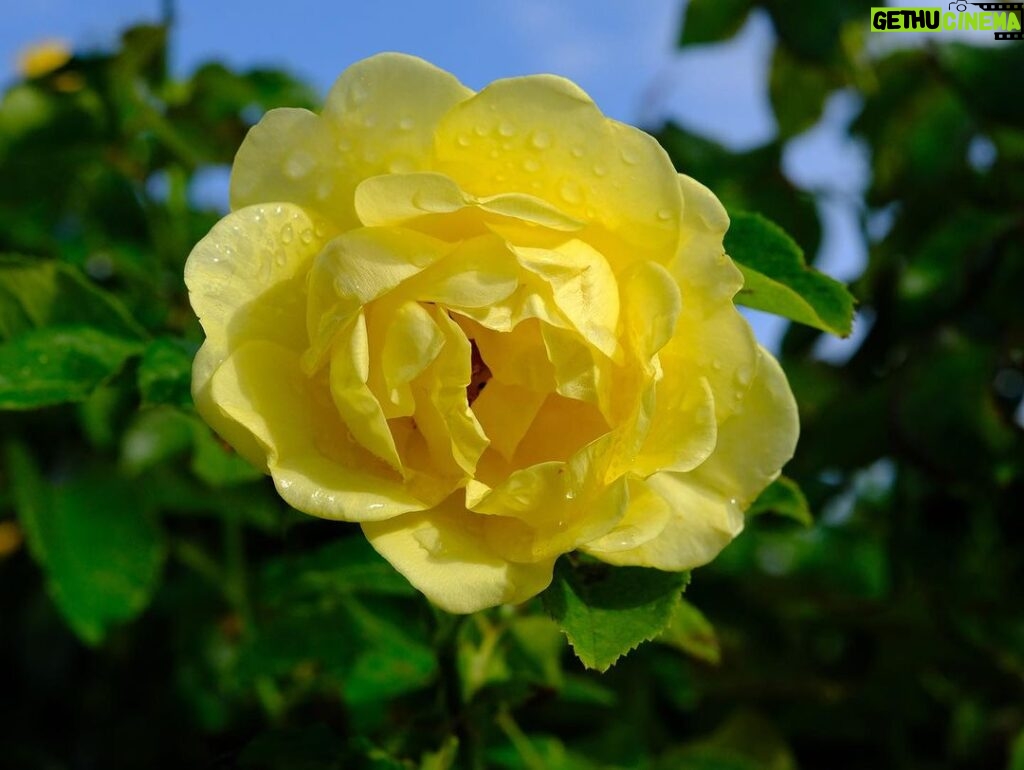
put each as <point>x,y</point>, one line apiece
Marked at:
<point>490,327</point>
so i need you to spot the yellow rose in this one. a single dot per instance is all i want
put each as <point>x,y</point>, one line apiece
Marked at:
<point>490,327</point>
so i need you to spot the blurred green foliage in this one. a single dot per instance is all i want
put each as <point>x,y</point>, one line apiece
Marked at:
<point>162,607</point>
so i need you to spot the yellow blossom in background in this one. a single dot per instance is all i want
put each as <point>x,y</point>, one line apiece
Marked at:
<point>43,58</point>
<point>492,328</point>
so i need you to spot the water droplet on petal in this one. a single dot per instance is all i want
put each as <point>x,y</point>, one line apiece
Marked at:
<point>716,365</point>
<point>600,170</point>
<point>577,152</point>
<point>664,214</point>
<point>540,140</point>
<point>287,234</point>
<point>744,375</point>
<point>406,124</point>
<point>401,166</point>
<point>463,140</point>
<point>570,192</point>
<point>481,130</point>
<point>506,129</point>
<point>530,165</point>
<point>306,236</point>
<point>370,121</point>
<point>629,157</point>
<point>358,94</point>
<point>494,153</point>
<point>344,144</point>
<point>299,165</point>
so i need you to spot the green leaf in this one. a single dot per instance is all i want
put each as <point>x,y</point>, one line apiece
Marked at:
<point>313,747</point>
<point>690,632</point>
<point>798,91</point>
<point>56,365</point>
<point>607,611</point>
<point>165,372</point>
<point>518,655</point>
<point>783,497</point>
<point>162,433</point>
<point>708,21</point>
<point>101,553</point>
<point>777,280</point>
<point>746,741</point>
<point>35,293</point>
<point>1017,753</point>
<point>347,565</point>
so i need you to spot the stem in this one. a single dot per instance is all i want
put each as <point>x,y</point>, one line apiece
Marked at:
<point>531,759</point>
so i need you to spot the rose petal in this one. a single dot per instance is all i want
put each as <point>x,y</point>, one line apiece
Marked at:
<point>442,553</point>
<point>380,116</point>
<point>260,388</point>
<point>544,136</point>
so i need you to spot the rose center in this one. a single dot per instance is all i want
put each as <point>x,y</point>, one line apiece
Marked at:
<point>480,374</point>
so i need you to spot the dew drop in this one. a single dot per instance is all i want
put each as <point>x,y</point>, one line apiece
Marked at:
<point>344,144</point>
<point>744,375</point>
<point>494,153</point>
<point>299,165</point>
<point>358,95</point>
<point>664,214</point>
<point>287,234</point>
<point>540,140</point>
<point>530,165</point>
<point>600,170</point>
<point>481,130</point>
<point>324,189</point>
<point>370,121</point>
<point>500,177</point>
<point>577,152</point>
<point>716,365</point>
<point>570,192</point>
<point>629,157</point>
<point>306,236</point>
<point>407,124</point>
<point>278,210</point>
<point>506,129</point>
<point>463,140</point>
<point>401,166</point>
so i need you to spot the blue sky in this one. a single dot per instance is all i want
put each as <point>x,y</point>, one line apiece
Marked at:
<point>622,53</point>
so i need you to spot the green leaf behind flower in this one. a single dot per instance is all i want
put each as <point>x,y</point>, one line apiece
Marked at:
<point>102,553</point>
<point>776,278</point>
<point>607,611</point>
<point>783,497</point>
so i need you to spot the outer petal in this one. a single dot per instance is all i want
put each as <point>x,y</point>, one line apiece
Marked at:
<point>380,116</point>
<point>757,440</point>
<point>701,523</point>
<point>544,136</point>
<point>707,504</point>
<point>316,467</point>
<point>442,553</point>
<point>246,278</point>
<point>246,281</point>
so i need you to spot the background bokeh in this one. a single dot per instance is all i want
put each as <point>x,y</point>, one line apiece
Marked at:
<point>160,606</point>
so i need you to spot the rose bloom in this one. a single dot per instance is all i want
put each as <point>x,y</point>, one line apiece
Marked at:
<point>492,328</point>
